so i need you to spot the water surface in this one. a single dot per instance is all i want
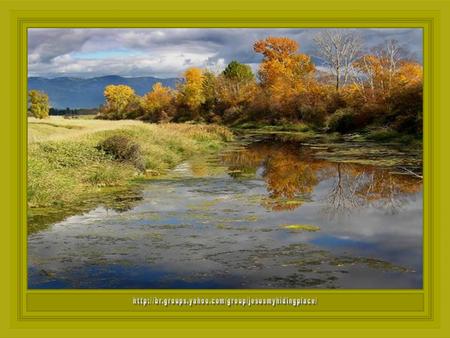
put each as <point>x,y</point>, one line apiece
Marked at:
<point>267,212</point>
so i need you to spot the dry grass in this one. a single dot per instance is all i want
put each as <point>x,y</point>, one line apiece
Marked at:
<point>57,128</point>
<point>64,156</point>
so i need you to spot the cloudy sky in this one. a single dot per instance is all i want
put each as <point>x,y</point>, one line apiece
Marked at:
<point>167,53</point>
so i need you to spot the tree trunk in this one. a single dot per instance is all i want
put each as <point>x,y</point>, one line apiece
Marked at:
<point>338,75</point>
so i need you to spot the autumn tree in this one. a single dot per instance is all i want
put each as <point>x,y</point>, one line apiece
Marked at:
<point>39,105</point>
<point>338,48</point>
<point>121,102</point>
<point>390,57</point>
<point>157,104</point>
<point>382,87</point>
<point>281,61</point>
<point>406,100</point>
<point>383,73</point>
<point>388,88</point>
<point>190,93</point>
<point>282,72</point>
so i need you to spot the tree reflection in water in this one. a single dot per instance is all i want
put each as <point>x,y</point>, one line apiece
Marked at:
<point>263,226</point>
<point>291,173</point>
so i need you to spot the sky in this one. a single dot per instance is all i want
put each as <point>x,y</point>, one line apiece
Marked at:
<point>167,52</point>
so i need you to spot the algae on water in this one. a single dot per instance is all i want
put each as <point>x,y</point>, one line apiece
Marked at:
<point>301,227</point>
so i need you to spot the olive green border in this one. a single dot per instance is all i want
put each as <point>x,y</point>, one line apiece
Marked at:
<point>26,312</point>
<point>433,17</point>
<point>24,23</point>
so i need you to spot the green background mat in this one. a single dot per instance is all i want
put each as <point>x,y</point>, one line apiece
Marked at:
<point>339,313</point>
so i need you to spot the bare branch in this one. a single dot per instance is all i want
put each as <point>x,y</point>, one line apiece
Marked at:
<point>338,48</point>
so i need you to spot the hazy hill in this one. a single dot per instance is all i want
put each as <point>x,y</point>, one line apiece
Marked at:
<point>88,93</point>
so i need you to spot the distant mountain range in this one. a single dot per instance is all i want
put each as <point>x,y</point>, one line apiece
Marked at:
<point>75,93</point>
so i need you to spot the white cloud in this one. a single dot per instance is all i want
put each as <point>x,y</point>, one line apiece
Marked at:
<point>168,52</point>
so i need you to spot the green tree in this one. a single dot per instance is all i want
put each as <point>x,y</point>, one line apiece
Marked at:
<point>238,72</point>
<point>210,87</point>
<point>39,105</point>
<point>236,90</point>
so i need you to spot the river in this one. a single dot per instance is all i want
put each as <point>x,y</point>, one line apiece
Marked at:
<point>268,211</point>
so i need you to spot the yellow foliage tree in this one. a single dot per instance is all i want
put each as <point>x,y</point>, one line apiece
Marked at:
<point>120,100</point>
<point>38,104</point>
<point>410,73</point>
<point>157,103</point>
<point>190,92</point>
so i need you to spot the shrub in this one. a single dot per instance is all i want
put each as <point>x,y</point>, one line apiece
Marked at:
<point>408,101</point>
<point>124,149</point>
<point>336,101</point>
<point>410,124</point>
<point>232,114</point>
<point>315,116</point>
<point>342,121</point>
<point>369,113</point>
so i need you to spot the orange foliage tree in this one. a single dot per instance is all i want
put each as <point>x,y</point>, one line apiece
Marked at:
<point>157,104</point>
<point>283,72</point>
<point>379,77</point>
<point>380,88</point>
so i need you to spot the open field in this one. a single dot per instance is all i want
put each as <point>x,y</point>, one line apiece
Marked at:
<point>69,158</point>
<point>58,128</point>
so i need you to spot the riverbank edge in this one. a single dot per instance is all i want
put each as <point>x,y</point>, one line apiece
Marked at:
<point>61,172</point>
<point>373,134</point>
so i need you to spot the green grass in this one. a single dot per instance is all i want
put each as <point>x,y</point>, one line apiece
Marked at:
<point>302,132</point>
<point>383,135</point>
<point>65,161</point>
<point>388,135</point>
<point>293,127</point>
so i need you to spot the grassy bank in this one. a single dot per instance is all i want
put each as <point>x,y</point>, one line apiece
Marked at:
<point>69,159</point>
<point>374,134</point>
